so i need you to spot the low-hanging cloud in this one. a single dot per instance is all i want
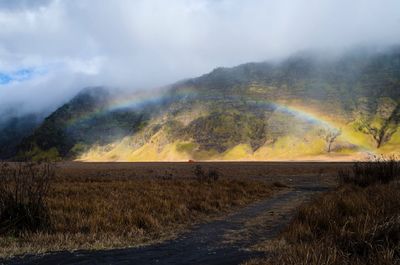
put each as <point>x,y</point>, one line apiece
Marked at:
<point>69,44</point>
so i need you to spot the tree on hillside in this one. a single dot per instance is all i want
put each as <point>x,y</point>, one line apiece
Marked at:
<point>380,133</point>
<point>330,135</point>
<point>382,130</point>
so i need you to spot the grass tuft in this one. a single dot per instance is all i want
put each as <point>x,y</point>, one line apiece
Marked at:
<point>380,170</point>
<point>23,188</point>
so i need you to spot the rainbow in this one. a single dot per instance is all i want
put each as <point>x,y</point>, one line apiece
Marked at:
<point>139,100</point>
<point>301,114</point>
<point>133,101</point>
<point>317,120</point>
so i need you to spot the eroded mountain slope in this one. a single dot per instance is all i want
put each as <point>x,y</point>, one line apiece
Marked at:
<point>303,108</point>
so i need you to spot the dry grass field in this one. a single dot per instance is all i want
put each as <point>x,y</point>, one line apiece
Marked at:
<point>281,171</point>
<point>357,224</point>
<point>106,207</point>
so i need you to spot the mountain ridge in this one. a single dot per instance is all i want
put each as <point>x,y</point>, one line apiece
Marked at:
<point>302,108</point>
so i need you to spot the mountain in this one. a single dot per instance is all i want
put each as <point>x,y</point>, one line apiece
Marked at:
<point>15,128</point>
<point>306,107</point>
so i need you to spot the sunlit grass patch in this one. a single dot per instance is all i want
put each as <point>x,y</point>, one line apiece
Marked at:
<point>107,212</point>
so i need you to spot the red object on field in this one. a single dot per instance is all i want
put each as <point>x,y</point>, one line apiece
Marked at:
<point>191,161</point>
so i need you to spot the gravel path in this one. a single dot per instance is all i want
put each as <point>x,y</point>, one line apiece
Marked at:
<point>224,241</point>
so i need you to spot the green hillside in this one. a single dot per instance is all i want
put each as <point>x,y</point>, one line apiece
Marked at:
<point>305,107</point>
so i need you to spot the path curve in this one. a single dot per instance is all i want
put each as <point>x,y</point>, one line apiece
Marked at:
<point>224,241</point>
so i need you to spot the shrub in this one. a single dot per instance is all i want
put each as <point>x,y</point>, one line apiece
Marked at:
<point>211,176</point>
<point>380,170</point>
<point>199,173</point>
<point>23,188</point>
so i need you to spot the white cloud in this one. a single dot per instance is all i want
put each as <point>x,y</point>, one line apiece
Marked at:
<point>15,5</point>
<point>145,43</point>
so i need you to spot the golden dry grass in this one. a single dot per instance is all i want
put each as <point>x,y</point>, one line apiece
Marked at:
<point>351,225</point>
<point>107,212</point>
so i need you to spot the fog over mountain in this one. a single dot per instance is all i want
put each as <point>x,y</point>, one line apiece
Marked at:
<point>51,49</point>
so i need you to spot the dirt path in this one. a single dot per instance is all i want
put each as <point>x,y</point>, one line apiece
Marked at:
<point>224,241</point>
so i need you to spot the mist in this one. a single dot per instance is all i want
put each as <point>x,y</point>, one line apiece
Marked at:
<point>50,49</point>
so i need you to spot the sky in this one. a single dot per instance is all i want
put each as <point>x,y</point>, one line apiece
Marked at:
<point>51,49</point>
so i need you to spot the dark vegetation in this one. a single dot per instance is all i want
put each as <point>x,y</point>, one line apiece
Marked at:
<point>381,170</point>
<point>359,223</point>
<point>106,211</point>
<point>211,176</point>
<point>23,189</point>
<point>223,130</point>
